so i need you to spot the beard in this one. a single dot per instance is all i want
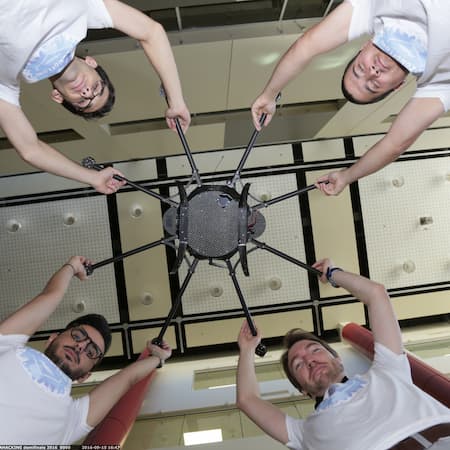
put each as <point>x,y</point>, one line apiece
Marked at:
<point>61,362</point>
<point>333,374</point>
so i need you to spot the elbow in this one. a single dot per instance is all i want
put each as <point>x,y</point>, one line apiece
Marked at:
<point>379,291</point>
<point>153,32</point>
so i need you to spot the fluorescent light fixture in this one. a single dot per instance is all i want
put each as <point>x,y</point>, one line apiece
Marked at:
<point>203,437</point>
<point>223,386</point>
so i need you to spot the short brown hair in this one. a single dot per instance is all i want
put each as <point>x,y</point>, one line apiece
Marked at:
<point>292,337</point>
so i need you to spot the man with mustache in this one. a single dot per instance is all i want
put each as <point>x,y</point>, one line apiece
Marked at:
<point>376,410</point>
<point>38,39</point>
<point>35,402</point>
<point>408,37</point>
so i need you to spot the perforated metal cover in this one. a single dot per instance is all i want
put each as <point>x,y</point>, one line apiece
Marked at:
<point>213,223</point>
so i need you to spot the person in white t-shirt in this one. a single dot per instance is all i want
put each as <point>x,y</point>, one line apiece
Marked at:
<point>38,39</point>
<point>35,402</point>
<point>373,411</point>
<point>408,37</point>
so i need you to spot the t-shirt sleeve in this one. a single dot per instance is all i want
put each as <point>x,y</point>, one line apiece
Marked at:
<point>98,15</point>
<point>77,426</point>
<point>395,363</point>
<point>10,93</point>
<point>442,92</point>
<point>362,19</point>
<point>9,341</point>
<point>295,433</point>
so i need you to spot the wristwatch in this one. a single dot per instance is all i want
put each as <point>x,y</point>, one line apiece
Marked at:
<point>329,275</point>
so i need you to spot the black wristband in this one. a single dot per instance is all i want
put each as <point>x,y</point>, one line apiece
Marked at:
<point>329,275</point>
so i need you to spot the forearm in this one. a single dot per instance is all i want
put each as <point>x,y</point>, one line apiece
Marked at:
<point>108,393</point>
<point>30,317</point>
<point>382,319</point>
<point>47,159</point>
<point>157,48</point>
<point>246,382</point>
<point>379,156</point>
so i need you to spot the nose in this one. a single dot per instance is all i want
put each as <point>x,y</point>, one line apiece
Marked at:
<point>374,70</point>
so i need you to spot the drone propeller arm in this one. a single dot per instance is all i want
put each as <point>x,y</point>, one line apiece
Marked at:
<point>264,246</point>
<point>90,163</point>
<point>91,267</point>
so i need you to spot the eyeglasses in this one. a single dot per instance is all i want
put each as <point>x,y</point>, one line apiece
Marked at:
<point>92,350</point>
<point>97,91</point>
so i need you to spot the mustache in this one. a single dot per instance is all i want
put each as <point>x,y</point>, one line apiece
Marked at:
<point>75,351</point>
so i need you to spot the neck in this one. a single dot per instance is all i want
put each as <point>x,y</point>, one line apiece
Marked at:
<point>67,72</point>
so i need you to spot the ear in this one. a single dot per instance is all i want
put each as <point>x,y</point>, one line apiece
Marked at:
<point>90,61</point>
<point>83,377</point>
<point>50,339</point>
<point>56,96</point>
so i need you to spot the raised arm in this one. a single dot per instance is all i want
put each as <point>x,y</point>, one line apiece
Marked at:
<point>414,118</point>
<point>29,318</point>
<point>383,322</point>
<point>328,34</point>
<point>40,155</point>
<point>267,416</point>
<point>156,46</point>
<point>104,396</point>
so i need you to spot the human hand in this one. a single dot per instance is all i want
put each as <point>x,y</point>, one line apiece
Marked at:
<point>323,265</point>
<point>164,352</point>
<point>246,340</point>
<point>263,105</point>
<point>182,113</point>
<point>105,183</point>
<point>332,183</point>
<point>78,265</point>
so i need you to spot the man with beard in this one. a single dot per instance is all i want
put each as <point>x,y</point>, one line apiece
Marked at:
<point>407,37</point>
<point>35,402</point>
<point>373,411</point>
<point>38,39</point>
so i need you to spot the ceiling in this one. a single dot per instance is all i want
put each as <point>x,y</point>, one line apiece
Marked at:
<point>225,52</point>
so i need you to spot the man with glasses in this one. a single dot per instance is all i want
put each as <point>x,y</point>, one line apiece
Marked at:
<point>38,39</point>
<point>376,410</point>
<point>35,402</point>
<point>408,37</point>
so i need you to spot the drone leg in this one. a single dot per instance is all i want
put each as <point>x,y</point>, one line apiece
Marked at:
<point>182,228</point>
<point>270,249</point>
<point>237,173</point>
<point>91,267</point>
<point>158,340</point>
<point>243,229</point>
<point>261,348</point>
<point>90,163</point>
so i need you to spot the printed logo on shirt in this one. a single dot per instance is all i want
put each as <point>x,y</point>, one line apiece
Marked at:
<point>50,59</point>
<point>340,393</point>
<point>44,372</point>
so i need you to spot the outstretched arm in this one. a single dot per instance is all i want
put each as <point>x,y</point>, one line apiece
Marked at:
<point>330,33</point>
<point>267,416</point>
<point>383,322</point>
<point>156,46</point>
<point>29,318</point>
<point>414,118</point>
<point>104,396</point>
<point>39,154</point>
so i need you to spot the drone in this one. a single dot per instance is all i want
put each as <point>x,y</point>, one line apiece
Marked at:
<point>213,222</point>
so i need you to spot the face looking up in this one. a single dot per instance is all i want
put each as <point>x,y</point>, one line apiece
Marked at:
<point>314,367</point>
<point>371,74</point>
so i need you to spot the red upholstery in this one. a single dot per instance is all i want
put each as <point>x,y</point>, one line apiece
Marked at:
<point>424,376</point>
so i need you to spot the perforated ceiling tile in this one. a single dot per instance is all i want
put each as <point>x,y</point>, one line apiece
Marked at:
<point>406,220</point>
<point>47,235</point>
<point>272,280</point>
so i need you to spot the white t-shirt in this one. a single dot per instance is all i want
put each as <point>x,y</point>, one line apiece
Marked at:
<point>35,402</point>
<point>431,15</point>
<point>373,411</point>
<point>38,38</point>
